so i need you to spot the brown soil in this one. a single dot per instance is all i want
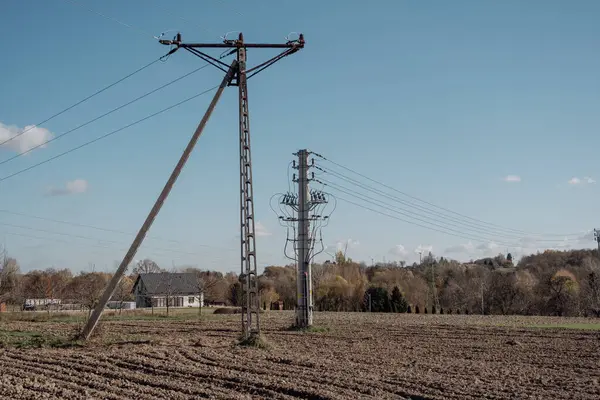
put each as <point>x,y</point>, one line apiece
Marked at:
<point>358,356</point>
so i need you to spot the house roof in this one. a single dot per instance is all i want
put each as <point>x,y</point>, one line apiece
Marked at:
<point>168,283</point>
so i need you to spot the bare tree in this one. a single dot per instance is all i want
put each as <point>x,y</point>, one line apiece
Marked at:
<point>123,292</point>
<point>146,266</point>
<point>9,277</point>
<point>171,289</point>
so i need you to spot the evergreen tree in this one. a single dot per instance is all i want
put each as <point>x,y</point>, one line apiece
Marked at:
<point>397,301</point>
<point>380,299</point>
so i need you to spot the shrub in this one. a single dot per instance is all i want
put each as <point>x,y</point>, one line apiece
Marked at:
<point>397,301</point>
<point>409,309</point>
<point>417,311</point>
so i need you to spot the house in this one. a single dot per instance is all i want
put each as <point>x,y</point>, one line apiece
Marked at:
<point>179,289</point>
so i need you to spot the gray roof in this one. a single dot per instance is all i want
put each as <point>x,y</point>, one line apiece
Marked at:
<point>169,282</point>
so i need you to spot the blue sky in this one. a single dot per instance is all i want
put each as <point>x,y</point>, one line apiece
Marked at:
<point>441,100</point>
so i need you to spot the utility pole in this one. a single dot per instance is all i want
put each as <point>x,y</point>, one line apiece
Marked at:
<point>308,206</point>
<point>248,268</point>
<point>304,308</point>
<point>597,239</point>
<point>236,74</point>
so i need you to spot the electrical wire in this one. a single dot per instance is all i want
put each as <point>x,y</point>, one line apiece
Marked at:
<point>104,115</point>
<point>73,149</point>
<point>91,238</point>
<point>110,230</point>
<point>80,102</point>
<point>146,249</point>
<point>473,226</point>
<point>167,11</point>
<point>410,213</point>
<point>439,207</point>
<point>135,28</point>
<point>457,234</point>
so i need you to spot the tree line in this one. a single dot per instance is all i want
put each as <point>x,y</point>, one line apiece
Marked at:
<point>561,283</point>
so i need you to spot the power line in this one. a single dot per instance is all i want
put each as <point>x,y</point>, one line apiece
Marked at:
<point>81,101</point>
<point>105,114</point>
<point>409,212</point>
<point>447,230</point>
<point>442,208</point>
<point>107,134</point>
<point>75,224</point>
<point>147,249</point>
<point>167,11</point>
<point>425,226</point>
<point>135,28</point>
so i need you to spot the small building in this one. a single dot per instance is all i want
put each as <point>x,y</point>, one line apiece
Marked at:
<point>179,289</point>
<point>121,305</point>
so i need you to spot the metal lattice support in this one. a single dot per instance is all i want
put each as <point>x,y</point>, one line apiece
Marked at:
<point>249,273</point>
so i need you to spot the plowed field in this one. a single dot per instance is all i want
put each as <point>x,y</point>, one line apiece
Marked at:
<point>358,356</point>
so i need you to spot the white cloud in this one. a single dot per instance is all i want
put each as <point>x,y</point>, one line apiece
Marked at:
<point>341,245</point>
<point>481,250</point>
<point>71,187</point>
<point>585,181</point>
<point>423,249</point>
<point>512,178</point>
<point>399,250</point>
<point>33,136</point>
<point>261,230</point>
<point>461,248</point>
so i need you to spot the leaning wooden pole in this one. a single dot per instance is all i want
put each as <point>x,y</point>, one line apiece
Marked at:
<point>112,285</point>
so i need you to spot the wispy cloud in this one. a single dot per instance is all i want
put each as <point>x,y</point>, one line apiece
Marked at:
<point>585,181</point>
<point>398,250</point>
<point>72,187</point>
<point>261,230</point>
<point>423,249</point>
<point>512,178</point>
<point>30,136</point>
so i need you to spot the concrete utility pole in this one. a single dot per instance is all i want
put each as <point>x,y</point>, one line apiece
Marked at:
<point>304,308</point>
<point>308,205</point>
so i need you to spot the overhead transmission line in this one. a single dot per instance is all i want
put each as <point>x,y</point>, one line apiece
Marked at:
<point>73,149</point>
<point>80,102</point>
<point>105,114</point>
<point>147,249</point>
<point>475,220</point>
<point>75,224</point>
<point>410,213</point>
<point>430,225</point>
<point>108,17</point>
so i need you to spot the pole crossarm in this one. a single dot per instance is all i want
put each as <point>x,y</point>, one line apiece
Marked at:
<point>290,47</point>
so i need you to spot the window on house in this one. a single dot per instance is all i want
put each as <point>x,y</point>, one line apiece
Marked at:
<point>191,300</point>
